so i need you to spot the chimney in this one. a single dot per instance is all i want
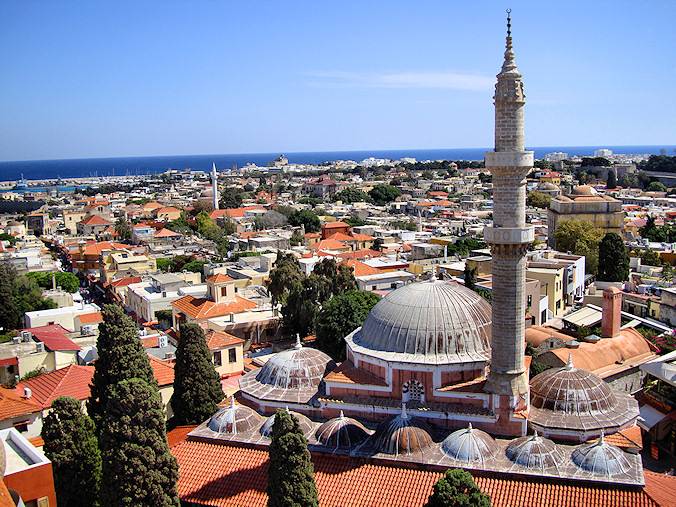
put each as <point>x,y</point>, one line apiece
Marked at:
<point>27,392</point>
<point>612,312</point>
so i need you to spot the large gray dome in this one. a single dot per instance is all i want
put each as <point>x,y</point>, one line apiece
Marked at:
<point>469,445</point>
<point>434,322</point>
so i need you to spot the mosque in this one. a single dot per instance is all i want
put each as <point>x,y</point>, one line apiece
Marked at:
<point>437,376</point>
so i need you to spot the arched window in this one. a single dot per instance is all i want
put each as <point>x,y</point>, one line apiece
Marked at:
<point>413,391</point>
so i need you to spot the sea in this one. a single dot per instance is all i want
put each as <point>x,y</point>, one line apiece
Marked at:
<point>121,166</point>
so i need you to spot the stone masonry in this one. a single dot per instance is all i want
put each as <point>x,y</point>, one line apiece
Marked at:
<point>509,236</point>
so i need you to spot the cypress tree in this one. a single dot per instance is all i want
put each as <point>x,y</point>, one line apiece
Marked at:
<point>613,259</point>
<point>291,474</point>
<point>121,357</point>
<point>457,489</point>
<point>197,387</point>
<point>71,445</point>
<point>138,469</point>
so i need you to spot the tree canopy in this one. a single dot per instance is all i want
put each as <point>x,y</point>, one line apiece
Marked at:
<point>595,162</point>
<point>457,489</point>
<point>538,199</point>
<point>661,163</point>
<point>19,294</point>
<point>611,182</point>
<point>138,468</point>
<point>290,474</point>
<point>121,357</point>
<point>67,281</point>
<point>661,234</point>
<point>350,195</point>
<point>284,276</point>
<point>656,186</point>
<point>71,445</point>
<point>580,238</point>
<point>197,386</point>
<point>231,197</point>
<point>613,259</point>
<point>305,218</point>
<point>340,316</point>
<point>384,194</point>
<point>123,229</point>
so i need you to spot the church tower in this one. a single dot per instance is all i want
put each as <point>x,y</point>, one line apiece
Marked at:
<point>509,235</point>
<point>214,186</point>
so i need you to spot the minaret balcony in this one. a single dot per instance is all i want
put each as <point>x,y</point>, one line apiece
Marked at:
<point>509,235</point>
<point>508,159</point>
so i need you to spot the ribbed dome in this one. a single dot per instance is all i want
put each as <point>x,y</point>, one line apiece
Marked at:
<point>469,445</point>
<point>571,391</point>
<point>234,419</point>
<point>584,190</point>
<point>303,421</point>
<point>601,458</point>
<point>432,321</point>
<point>341,432</point>
<point>534,452</point>
<point>296,368</point>
<point>402,435</point>
<point>546,185</point>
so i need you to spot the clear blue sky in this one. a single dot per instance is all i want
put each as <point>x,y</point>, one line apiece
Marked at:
<point>117,78</point>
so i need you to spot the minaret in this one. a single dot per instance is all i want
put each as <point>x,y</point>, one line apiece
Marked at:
<point>214,186</point>
<point>509,236</point>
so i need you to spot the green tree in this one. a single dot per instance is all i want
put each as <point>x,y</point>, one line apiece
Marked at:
<point>19,294</point>
<point>290,474</point>
<point>71,445</point>
<point>67,281</point>
<point>335,278</point>
<point>121,357</point>
<point>297,238</point>
<point>457,489</point>
<point>197,386</point>
<point>163,264</point>
<point>538,199</point>
<point>656,186</point>
<point>8,237</point>
<point>350,195</point>
<point>300,308</point>
<point>650,257</point>
<point>581,238</point>
<point>341,315</point>
<point>123,229</point>
<point>611,182</point>
<point>194,266</point>
<point>284,276</point>
<point>384,194</point>
<point>470,277</point>
<point>306,218</point>
<point>231,197</point>
<point>596,162</point>
<point>378,244</point>
<point>613,259</point>
<point>138,469</point>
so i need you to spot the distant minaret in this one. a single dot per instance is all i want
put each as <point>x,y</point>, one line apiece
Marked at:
<point>509,236</point>
<point>214,186</point>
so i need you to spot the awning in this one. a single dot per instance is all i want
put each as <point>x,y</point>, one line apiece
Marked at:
<point>649,417</point>
<point>10,361</point>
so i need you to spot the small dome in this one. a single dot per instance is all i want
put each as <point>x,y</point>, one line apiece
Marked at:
<point>469,445</point>
<point>546,185</point>
<point>303,421</point>
<point>341,432</point>
<point>403,435</point>
<point>535,452</point>
<point>234,419</point>
<point>296,368</point>
<point>433,321</point>
<point>584,190</point>
<point>207,192</point>
<point>13,223</point>
<point>601,458</point>
<point>571,391</point>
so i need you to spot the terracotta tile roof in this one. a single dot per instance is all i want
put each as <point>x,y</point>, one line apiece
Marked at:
<point>219,278</point>
<point>73,380</point>
<point>95,220</point>
<point>360,254</point>
<point>15,405</point>
<point>127,280</point>
<point>312,235</point>
<point>37,441</point>
<point>90,318</point>
<point>341,236</point>
<point>223,474</point>
<point>329,244</point>
<point>165,233</point>
<point>54,336</point>
<point>150,342</point>
<point>163,371</point>
<point>360,269</point>
<point>202,308</point>
<point>335,225</point>
<point>149,206</point>
<point>362,237</point>
<point>178,434</point>
<point>626,438</point>
<point>233,212</point>
<point>97,248</point>
<point>347,373</point>
<point>660,487</point>
<point>219,340</point>
<point>167,209</point>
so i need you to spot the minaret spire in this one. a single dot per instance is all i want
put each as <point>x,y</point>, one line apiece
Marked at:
<point>509,65</point>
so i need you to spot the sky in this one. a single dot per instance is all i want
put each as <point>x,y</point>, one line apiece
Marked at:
<point>141,78</point>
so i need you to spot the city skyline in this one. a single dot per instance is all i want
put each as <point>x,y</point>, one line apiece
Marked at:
<point>162,79</point>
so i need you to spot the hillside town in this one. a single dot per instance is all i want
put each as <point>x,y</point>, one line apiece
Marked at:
<point>508,316</point>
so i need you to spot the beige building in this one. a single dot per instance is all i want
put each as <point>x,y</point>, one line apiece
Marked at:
<point>117,264</point>
<point>227,352</point>
<point>585,204</point>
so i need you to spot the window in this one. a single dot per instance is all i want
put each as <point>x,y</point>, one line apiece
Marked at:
<point>21,426</point>
<point>224,291</point>
<point>232,355</point>
<point>413,391</point>
<point>530,300</point>
<point>217,358</point>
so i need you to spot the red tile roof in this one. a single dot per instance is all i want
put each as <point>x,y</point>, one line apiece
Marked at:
<point>127,280</point>
<point>360,254</point>
<point>361,269</point>
<point>335,225</point>
<point>219,340</point>
<point>219,278</point>
<point>95,220</point>
<point>90,318</point>
<point>162,370</point>
<point>71,381</point>
<point>660,487</point>
<point>223,474</point>
<point>166,233</point>
<point>202,308</point>
<point>14,405</point>
<point>54,336</point>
